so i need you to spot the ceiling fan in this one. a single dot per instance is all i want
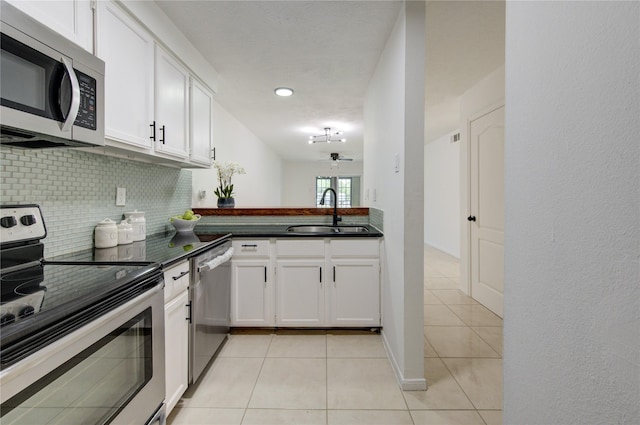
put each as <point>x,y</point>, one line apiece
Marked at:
<point>337,157</point>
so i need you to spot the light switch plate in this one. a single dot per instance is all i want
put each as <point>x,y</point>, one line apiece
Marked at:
<point>121,197</point>
<point>396,163</point>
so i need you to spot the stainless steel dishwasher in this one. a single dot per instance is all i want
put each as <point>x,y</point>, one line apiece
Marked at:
<point>210,299</point>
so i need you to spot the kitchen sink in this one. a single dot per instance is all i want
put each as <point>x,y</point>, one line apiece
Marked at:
<point>327,229</point>
<point>352,229</point>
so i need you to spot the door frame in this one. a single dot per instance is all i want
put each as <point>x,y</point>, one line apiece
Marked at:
<point>465,196</point>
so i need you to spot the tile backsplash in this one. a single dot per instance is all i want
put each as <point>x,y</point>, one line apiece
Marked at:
<point>77,189</point>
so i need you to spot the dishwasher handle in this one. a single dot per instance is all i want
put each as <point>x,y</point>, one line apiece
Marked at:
<point>216,261</point>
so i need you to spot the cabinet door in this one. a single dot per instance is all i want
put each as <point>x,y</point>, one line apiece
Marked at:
<point>354,293</point>
<point>176,349</point>
<point>127,50</point>
<point>300,293</point>
<point>72,19</point>
<point>201,129</point>
<point>172,105</point>
<point>251,293</point>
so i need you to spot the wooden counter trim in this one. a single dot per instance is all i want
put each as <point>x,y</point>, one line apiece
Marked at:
<point>279,211</point>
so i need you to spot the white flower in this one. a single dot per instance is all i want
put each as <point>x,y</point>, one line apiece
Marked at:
<point>226,170</point>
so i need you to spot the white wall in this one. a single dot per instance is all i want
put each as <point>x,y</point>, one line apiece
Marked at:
<point>300,180</point>
<point>442,194</point>
<point>478,100</point>
<point>572,236</point>
<point>394,125</point>
<point>261,186</point>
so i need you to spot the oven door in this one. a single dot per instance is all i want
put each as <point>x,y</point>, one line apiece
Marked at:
<point>108,371</point>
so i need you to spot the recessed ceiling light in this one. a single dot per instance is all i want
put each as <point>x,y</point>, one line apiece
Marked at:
<point>283,91</point>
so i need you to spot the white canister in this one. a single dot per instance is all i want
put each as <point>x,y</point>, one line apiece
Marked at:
<point>136,218</point>
<point>125,233</point>
<point>106,235</point>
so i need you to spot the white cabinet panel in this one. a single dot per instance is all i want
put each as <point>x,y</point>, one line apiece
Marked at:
<point>176,280</point>
<point>176,349</point>
<point>300,248</point>
<point>201,128</point>
<point>354,293</point>
<point>250,248</point>
<point>300,293</point>
<point>172,105</point>
<point>251,293</point>
<point>127,50</point>
<point>355,248</point>
<point>72,19</point>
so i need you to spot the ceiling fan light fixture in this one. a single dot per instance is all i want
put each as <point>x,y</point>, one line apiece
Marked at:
<point>283,91</point>
<point>327,137</point>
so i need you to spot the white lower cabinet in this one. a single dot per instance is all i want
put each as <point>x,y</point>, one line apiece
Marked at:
<point>176,349</point>
<point>318,282</point>
<point>354,293</point>
<point>251,283</point>
<point>300,293</point>
<point>251,293</point>
<point>176,333</point>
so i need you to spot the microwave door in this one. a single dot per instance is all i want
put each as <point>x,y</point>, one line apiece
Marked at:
<point>39,89</point>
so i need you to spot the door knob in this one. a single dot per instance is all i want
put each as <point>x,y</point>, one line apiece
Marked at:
<point>471,218</point>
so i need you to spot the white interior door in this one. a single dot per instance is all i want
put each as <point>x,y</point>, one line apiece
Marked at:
<point>487,209</point>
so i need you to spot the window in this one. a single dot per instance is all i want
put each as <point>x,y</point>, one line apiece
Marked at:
<point>343,187</point>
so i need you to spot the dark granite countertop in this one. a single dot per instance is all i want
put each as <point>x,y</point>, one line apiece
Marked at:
<point>279,231</point>
<point>170,248</point>
<point>164,248</point>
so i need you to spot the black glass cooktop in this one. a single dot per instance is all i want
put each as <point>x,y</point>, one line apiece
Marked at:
<point>35,297</point>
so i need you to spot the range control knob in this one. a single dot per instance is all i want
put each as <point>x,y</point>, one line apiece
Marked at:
<point>7,318</point>
<point>28,220</point>
<point>26,311</point>
<point>8,221</point>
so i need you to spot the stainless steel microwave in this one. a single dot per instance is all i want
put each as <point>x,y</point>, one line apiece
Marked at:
<point>51,90</point>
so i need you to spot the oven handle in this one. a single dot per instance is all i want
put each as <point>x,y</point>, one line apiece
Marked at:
<point>216,261</point>
<point>160,417</point>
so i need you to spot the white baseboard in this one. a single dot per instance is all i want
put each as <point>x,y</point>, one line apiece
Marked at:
<point>405,384</point>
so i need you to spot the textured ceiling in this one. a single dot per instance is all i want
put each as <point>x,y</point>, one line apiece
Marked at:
<point>327,51</point>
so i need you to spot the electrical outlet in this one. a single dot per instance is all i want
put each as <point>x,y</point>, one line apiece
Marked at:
<point>121,196</point>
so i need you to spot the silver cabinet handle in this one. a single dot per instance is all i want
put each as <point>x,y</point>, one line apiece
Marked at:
<point>75,96</point>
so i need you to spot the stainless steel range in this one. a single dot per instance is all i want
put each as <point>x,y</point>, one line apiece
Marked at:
<point>80,342</point>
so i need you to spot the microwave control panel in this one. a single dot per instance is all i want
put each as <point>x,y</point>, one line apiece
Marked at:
<point>87,113</point>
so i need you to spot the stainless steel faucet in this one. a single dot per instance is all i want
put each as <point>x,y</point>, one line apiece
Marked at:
<point>336,219</point>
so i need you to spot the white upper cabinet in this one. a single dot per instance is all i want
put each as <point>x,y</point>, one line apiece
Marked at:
<point>149,112</point>
<point>172,105</point>
<point>127,50</point>
<point>201,115</point>
<point>72,19</point>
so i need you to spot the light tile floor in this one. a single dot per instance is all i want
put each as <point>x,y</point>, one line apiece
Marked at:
<point>344,378</point>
